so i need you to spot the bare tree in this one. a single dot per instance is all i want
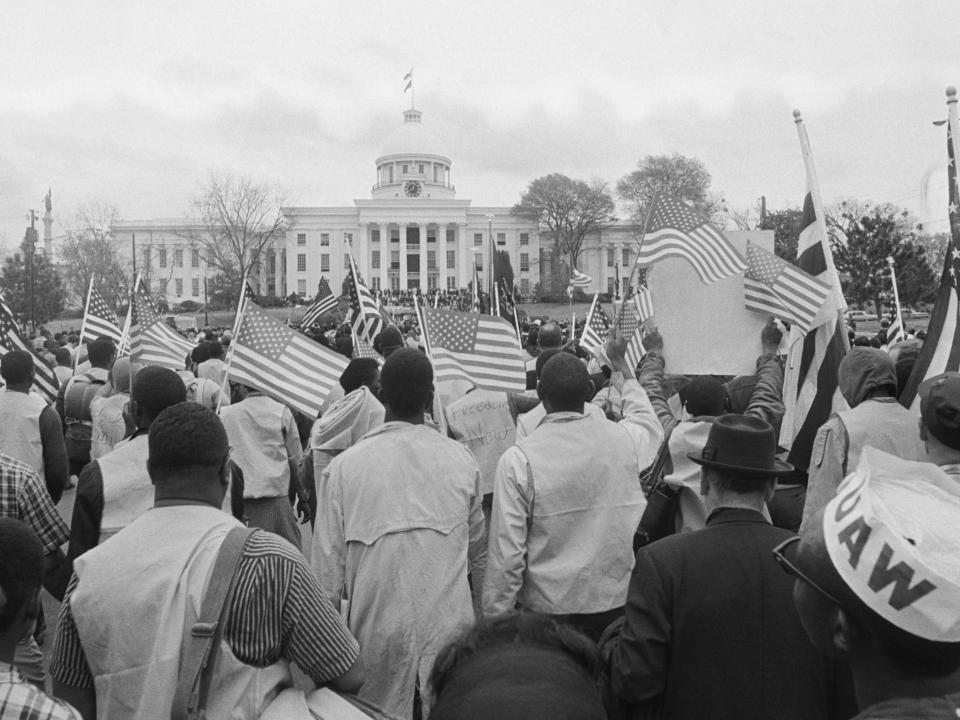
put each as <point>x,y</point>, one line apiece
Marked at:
<point>89,251</point>
<point>236,219</point>
<point>676,176</point>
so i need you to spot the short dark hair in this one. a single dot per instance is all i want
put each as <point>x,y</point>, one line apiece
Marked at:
<point>736,484</point>
<point>100,351</point>
<point>62,355</point>
<point>550,336</point>
<point>156,388</point>
<point>510,632</point>
<point>16,366</point>
<point>406,382</point>
<point>704,395</point>
<point>201,353</point>
<point>565,382</point>
<point>360,371</point>
<point>184,435</point>
<point>542,359</point>
<point>216,350</point>
<point>21,571</point>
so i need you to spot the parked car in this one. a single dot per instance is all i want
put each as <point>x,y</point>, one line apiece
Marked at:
<point>908,312</point>
<point>860,315</point>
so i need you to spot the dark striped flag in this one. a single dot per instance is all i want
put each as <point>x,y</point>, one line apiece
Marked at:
<point>775,287</point>
<point>286,365</point>
<point>324,302</point>
<point>676,230</point>
<point>596,327</point>
<point>482,349</point>
<point>895,332</point>
<point>941,348</point>
<point>810,379</point>
<point>98,319</point>
<point>579,279</point>
<point>366,316</point>
<point>362,349</point>
<point>152,341</point>
<point>44,379</point>
<point>630,322</point>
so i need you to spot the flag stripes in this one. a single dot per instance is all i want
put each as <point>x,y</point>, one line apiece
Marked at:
<point>98,319</point>
<point>287,365</point>
<point>366,316</point>
<point>44,379</point>
<point>773,286</point>
<point>595,329</point>
<point>675,230</point>
<point>579,279</point>
<point>152,341</point>
<point>324,302</point>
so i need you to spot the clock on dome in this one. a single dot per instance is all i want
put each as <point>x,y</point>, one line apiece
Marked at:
<point>412,188</point>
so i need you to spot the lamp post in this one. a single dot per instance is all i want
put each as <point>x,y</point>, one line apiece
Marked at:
<point>493,249</point>
<point>30,238</point>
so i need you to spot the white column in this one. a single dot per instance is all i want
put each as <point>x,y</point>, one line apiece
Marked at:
<point>384,256</point>
<point>403,256</point>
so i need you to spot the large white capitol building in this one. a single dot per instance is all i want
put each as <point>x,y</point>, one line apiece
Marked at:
<point>412,232</point>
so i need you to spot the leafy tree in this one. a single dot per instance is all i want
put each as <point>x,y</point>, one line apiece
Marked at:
<point>89,251</point>
<point>223,292</point>
<point>49,293</point>
<point>237,219</point>
<point>503,269</point>
<point>935,247</point>
<point>570,209</point>
<point>869,234</point>
<point>676,176</point>
<point>786,226</point>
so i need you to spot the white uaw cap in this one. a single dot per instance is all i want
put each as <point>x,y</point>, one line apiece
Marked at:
<point>892,534</point>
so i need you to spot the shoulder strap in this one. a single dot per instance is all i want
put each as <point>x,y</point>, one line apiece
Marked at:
<point>197,658</point>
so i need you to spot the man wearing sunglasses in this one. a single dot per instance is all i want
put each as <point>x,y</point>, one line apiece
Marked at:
<point>709,629</point>
<point>878,583</point>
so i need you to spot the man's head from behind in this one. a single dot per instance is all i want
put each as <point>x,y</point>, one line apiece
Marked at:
<point>154,390</point>
<point>550,336</point>
<point>16,368</point>
<point>361,371</point>
<point>406,384</point>
<point>880,580</point>
<point>21,572</point>
<point>100,352</point>
<point>704,396</point>
<point>521,665</point>
<point>188,454</point>
<point>864,373</point>
<point>564,384</point>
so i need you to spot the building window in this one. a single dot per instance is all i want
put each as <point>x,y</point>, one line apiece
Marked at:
<point>395,235</point>
<point>451,259</point>
<point>405,168</point>
<point>451,235</point>
<point>302,288</point>
<point>611,256</point>
<point>348,238</point>
<point>436,174</point>
<point>610,282</point>
<point>524,262</point>
<point>375,259</point>
<point>301,262</point>
<point>391,173</point>
<point>146,257</point>
<point>432,281</point>
<point>395,260</point>
<point>431,259</point>
<point>524,286</point>
<point>524,238</point>
<point>195,287</point>
<point>375,284</point>
<point>195,259</point>
<point>324,239</point>
<point>478,238</point>
<point>178,284</point>
<point>478,261</point>
<point>420,168</point>
<point>324,262</point>
<point>163,257</point>
<point>346,261</point>
<point>301,238</point>
<point>178,258</point>
<point>395,283</point>
<point>431,235</point>
<point>626,257</point>
<point>375,235</point>
<point>451,284</point>
<point>501,238</point>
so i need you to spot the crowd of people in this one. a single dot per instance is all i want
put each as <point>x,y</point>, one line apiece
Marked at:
<point>441,550</point>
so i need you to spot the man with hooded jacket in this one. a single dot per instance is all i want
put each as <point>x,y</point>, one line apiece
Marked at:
<point>867,380</point>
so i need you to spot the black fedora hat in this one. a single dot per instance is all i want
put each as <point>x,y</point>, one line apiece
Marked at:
<point>743,445</point>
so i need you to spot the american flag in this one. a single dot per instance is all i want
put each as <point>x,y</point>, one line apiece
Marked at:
<point>895,332</point>
<point>44,379</point>
<point>152,341</point>
<point>676,230</point>
<point>810,378</point>
<point>476,288</point>
<point>482,349</point>
<point>324,302</point>
<point>941,348</point>
<point>363,349</point>
<point>366,317</point>
<point>579,279</point>
<point>596,327</point>
<point>98,319</point>
<point>775,287</point>
<point>630,321</point>
<point>644,298</point>
<point>286,365</point>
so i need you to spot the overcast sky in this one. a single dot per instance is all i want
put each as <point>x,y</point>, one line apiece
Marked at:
<point>135,103</point>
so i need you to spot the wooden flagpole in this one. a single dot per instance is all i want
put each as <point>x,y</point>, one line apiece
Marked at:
<point>241,306</point>
<point>442,420</point>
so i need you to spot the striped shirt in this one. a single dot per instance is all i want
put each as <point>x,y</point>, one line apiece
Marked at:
<point>24,496</point>
<point>21,699</point>
<point>277,610</point>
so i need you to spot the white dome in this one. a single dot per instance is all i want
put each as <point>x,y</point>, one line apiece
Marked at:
<point>412,138</point>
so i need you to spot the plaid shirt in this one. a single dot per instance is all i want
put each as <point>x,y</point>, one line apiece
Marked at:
<point>20,699</point>
<point>24,496</point>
